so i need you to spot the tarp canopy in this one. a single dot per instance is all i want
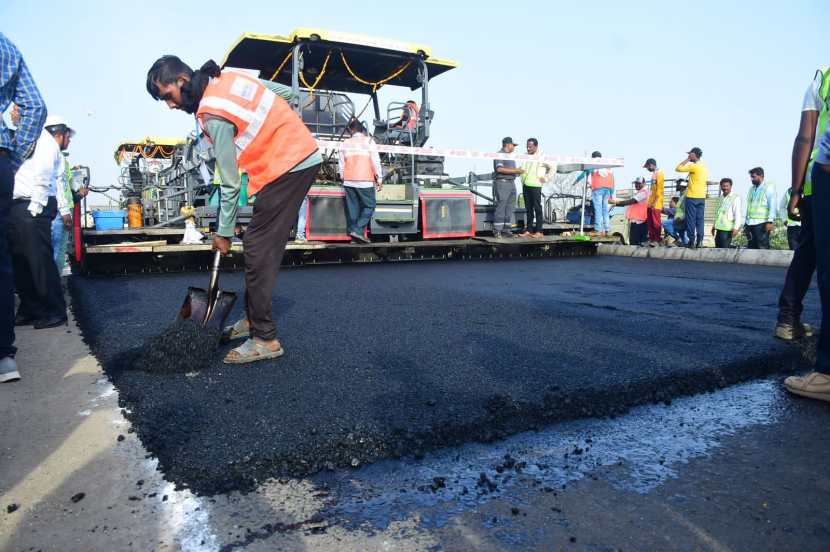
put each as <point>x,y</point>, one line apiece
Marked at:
<point>341,62</point>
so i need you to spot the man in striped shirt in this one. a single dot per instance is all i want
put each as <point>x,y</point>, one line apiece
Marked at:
<point>16,86</point>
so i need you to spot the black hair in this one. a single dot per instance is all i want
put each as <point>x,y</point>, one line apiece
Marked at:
<point>596,154</point>
<point>534,140</point>
<point>356,126</point>
<point>757,170</point>
<point>722,180</point>
<point>676,199</point>
<point>57,129</point>
<point>166,70</point>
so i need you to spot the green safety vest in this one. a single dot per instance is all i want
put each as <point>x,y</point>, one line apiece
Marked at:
<point>67,191</point>
<point>724,219</point>
<point>756,202</point>
<point>531,175</point>
<point>824,91</point>
<point>680,210</point>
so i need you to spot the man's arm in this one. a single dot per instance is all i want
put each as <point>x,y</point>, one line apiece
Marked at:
<point>686,167</point>
<point>221,133</point>
<point>284,92</point>
<point>28,99</point>
<point>501,169</point>
<point>738,212</point>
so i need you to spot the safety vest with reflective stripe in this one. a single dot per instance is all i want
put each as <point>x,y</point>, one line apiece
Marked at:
<point>725,216</point>
<point>824,95</point>
<point>602,178</point>
<point>785,209</point>
<point>358,165</point>
<point>680,209</point>
<point>639,210</point>
<point>756,202</point>
<point>413,115</point>
<point>270,138</point>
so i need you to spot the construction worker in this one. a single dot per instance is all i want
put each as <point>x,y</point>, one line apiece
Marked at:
<point>760,211</point>
<point>810,202</point>
<point>405,128</point>
<point>793,226</point>
<point>655,202</point>
<point>679,219</point>
<point>602,186</point>
<point>30,229</point>
<point>246,117</point>
<point>636,213</point>
<point>728,216</point>
<point>16,86</point>
<point>504,190</point>
<point>535,175</point>
<point>668,224</point>
<point>695,195</point>
<point>361,172</point>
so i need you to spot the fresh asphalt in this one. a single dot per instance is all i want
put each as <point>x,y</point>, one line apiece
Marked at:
<point>396,360</point>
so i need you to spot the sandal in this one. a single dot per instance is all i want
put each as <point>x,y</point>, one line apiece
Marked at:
<point>239,330</point>
<point>252,351</point>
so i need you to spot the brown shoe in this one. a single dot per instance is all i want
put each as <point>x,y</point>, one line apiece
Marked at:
<point>814,385</point>
<point>537,235</point>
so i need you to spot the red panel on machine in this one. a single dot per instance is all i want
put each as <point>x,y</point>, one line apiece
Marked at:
<point>447,215</point>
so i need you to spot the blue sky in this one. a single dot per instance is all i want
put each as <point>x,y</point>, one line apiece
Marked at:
<point>632,79</point>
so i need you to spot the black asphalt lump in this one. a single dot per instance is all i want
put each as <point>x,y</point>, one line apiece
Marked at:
<point>392,360</point>
<point>183,347</point>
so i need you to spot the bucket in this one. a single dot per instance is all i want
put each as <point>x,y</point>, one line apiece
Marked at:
<point>134,216</point>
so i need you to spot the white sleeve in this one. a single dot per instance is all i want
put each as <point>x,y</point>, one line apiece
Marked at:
<point>44,161</point>
<point>812,98</point>
<point>738,212</point>
<point>376,163</point>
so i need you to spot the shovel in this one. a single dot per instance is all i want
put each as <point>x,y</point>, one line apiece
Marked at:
<point>209,308</point>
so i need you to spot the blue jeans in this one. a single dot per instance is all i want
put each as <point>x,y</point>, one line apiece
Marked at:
<point>682,237</point>
<point>6,279</point>
<point>694,220</point>
<point>301,220</point>
<point>360,205</point>
<point>600,198</point>
<point>59,242</point>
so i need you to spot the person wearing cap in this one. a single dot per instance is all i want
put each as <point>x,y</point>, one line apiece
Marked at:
<point>636,213</point>
<point>16,86</point>
<point>655,202</point>
<point>504,190</point>
<point>810,202</point>
<point>34,208</point>
<point>536,174</point>
<point>602,186</point>
<point>760,211</point>
<point>729,216</point>
<point>695,195</point>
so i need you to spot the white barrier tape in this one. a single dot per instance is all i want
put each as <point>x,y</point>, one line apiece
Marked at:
<point>586,162</point>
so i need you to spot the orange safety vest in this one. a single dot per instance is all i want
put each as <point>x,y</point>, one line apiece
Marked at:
<point>413,115</point>
<point>357,165</point>
<point>602,178</point>
<point>638,211</point>
<point>270,138</point>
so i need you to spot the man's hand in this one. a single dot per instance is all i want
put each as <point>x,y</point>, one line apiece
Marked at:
<point>612,201</point>
<point>769,227</point>
<point>83,192</point>
<point>221,244</point>
<point>67,221</point>
<point>735,232</point>
<point>713,230</point>
<point>378,185</point>
<point>792,206</point>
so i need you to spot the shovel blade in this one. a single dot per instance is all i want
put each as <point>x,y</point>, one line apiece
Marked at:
<point>197,307</point>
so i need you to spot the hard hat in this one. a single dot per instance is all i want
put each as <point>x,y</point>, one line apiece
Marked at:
<point>57,120</point>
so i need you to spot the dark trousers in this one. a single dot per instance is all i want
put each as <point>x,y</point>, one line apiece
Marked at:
<point>821,232</point>
<point>36,276</point>
<point>694,220</point>
<point>637,233</point>
<point>360,204</point>
<point>504,194</point>
<point>723,239</point>
<point>6,278</point>
<point>275,212</point>
<point>757,236</point>
<point>800,272</point>
<point>534,217</point>
<point>655,225</point>
<point>792,236</point>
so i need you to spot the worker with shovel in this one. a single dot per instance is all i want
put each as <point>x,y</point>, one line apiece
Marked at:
<point>254,129</point>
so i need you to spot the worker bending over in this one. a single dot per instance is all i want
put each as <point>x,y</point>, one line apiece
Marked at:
<point>252,128</point>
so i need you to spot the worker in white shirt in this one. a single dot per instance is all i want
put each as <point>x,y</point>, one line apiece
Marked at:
<point>34,207</point>
<point>63,222</point>
<point>729,216</point>
<point>361,172</point>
